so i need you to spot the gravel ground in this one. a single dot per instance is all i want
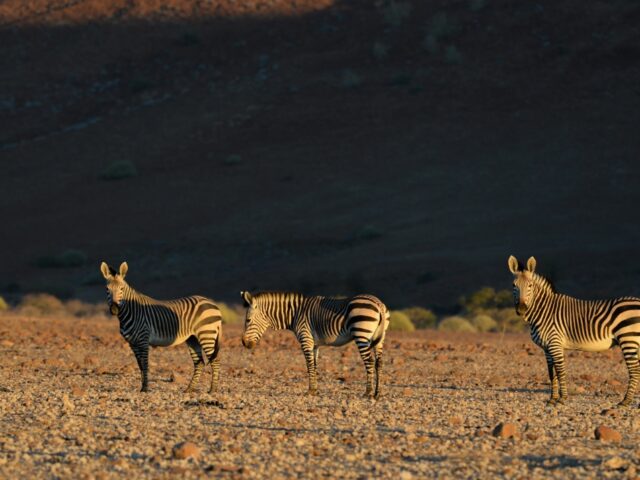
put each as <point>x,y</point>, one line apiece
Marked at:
<point>71,408</point>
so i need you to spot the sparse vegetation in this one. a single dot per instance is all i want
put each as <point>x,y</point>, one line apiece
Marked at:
<point>67,259</point>
<point>484,323</point>
<point>38,304</point>
<point>486,297</point>
<point>395,13</point>
<point>350,79</point>
<point>230,313</point>
<point>456,324</point>
<point>400,322</point>
<point>421,317</point>
<point>3,305</point>
<point>380,50</point>
<point>119,170</point>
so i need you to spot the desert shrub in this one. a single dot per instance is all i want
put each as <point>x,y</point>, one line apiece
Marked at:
<point>68,258</point>
<point>421,317</point>
<point>78,308</point>
<point>400,322</point>
<point>40,304</point>
<point>394,13</point>
<point>230,314</point>
<point>380,50</point>
<point>452,55</point>
<point>119,170</point>
<point>484,323</point>
<point>486,298</point>
<point>456,324</point>
<point>509,321</point>
<point>234,159</point>
<point>3,305</point>
<point>350,79</point>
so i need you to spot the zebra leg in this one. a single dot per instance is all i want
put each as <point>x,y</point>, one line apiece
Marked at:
<point>141,351</point>
<point>376,393</point>
<point>557,353</point>
<point>198,362</point>
<point>553,379</point>
<point>630,352</point>
<point>368,357</point>
<point>308,348</point>
<point>214,360</point>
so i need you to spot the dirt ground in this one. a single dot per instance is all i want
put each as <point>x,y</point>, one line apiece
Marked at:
<point>71,408</point>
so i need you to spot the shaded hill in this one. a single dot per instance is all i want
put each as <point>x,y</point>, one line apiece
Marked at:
<point>402,148</point>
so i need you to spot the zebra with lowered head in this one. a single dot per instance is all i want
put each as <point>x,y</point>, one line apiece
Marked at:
<point>146,322</point>
<point>318,321</point>
<point>560,322</point>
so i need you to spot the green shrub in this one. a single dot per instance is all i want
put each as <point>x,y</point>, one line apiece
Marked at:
<point>350,79</point>
<point>66,259</point>
<point>421,317</point>
<point>380,50</point>
<point>119,170</point>
<point>486,298</point>
<point>3,305</point>
<point>40,304</point>
<point>456,324</point>
<point>394,13</point>
<point>81,309</point>
<point>452,55</point>
<point>484,323</point>
<point>230,314</point>
<point>400,322</point>
<point>509,321</point>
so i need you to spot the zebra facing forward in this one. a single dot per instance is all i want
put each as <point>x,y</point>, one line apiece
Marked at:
<point>318,321</point>
<point>147,322</point>
<point>561,322</point>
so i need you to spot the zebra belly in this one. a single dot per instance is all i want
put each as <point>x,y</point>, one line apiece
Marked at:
<point>592,346</point>
<point>335,341</point>
<point>157,340</point>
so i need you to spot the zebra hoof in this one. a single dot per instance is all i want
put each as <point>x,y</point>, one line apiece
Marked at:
<point>144,389</point>
<point>311,393</point>
<point>552,402</point>
<point>623,404</point>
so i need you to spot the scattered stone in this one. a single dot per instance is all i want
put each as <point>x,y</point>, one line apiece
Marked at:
<point>607,434</point>
<point>78,392</point>
<point>67,404</point>
<point>186,450</point>
<point>7,343</point>
<point>405,475</point>
<point>456,421</point>
<point>505,430</point>
<point>616,463</point>
<point>610,412</point>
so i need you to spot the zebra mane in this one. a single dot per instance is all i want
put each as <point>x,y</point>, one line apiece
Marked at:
<point>112,270</point>
<point>545,283</point>
<point>275,294</point>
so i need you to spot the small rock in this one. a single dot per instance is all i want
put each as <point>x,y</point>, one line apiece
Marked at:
<point>616,463</point>
<point>614,383</point>
<point>405,475</point>
<point>610,412</point>
<point>6,343</point>
<point>186,450</point>
<point>78,392</point>
<point>456,421</point>
<point>607,434</point>
<point>505,430</point>
<point>407,392</point>
<point>67,404</point>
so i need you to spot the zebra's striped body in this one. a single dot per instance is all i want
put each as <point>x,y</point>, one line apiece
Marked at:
<point>146,322</point>
<point>560,322</point>
<point>318,321</point>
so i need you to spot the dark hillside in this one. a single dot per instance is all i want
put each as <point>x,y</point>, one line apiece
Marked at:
<point>404,148</point>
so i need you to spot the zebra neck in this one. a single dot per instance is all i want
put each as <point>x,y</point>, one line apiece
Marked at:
<point>284,317</point>
<point>130,299</point>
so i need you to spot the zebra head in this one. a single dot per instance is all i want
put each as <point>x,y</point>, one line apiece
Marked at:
<point>115,285</point>
<point>523,284</point>
<point>256,322</point>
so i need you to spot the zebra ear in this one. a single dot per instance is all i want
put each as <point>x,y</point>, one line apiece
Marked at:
<point>246,296</point>
<point>531,264</point>
<point>124,268</point>
<point>106,270</point>
<point>513,264</point>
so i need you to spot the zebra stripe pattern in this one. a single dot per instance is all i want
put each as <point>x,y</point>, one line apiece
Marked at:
<point>318,321</point>
<point>560,322</point>
<point>146,322</point>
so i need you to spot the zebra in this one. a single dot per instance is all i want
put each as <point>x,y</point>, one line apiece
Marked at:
<point>560,322</point>
<point>145,321</point>
<point>318,321</point>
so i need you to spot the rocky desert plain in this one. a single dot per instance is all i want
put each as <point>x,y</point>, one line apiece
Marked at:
<point>453,406</point>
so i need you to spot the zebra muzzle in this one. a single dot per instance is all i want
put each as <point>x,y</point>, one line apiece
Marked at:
<point>114,309</point>
<point>248,343</point>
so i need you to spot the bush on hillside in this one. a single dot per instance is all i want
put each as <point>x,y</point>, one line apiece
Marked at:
<point>484,323</point>
<point>421,317</point>
<point>3,305</point>
<point>486,298</point>
<point>400,322</point>
<point>40,304</point>
<point>119,170</point>
<point>230,314</point>
<point>67,259</point>
<point>456,324</point>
